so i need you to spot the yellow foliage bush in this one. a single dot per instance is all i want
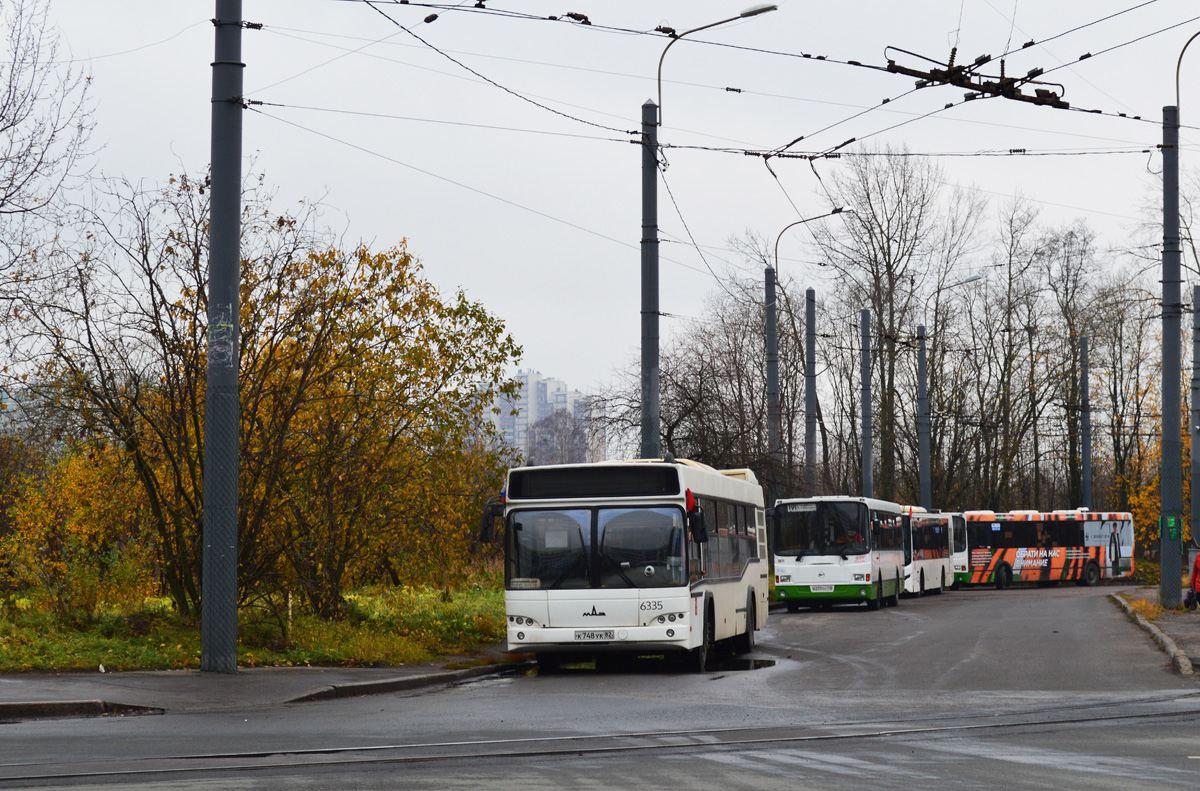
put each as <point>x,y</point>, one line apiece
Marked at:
<point>78,537</point>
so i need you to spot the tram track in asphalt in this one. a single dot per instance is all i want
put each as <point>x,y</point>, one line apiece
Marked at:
<point>35,774</point>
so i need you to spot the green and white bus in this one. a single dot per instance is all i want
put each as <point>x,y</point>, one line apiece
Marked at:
<point>838,550</point>
<point>633,557</point>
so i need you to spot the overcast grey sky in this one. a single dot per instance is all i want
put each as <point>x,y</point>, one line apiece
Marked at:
<point>535,210</point>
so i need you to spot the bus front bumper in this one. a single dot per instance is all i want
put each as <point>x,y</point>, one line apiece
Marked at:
<point>647,639</point>
<point>854,592</point>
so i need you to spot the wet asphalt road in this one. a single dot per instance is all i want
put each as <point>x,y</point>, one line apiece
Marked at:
<point>1026,688</point>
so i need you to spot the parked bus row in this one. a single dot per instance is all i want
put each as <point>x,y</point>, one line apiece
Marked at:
<point>671,556</point>
<point>838,550</point>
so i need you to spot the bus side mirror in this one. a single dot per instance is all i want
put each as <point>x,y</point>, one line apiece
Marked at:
<point>697,527</point>
<point>487,527</point>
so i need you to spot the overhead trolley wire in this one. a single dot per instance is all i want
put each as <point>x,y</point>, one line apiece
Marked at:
<point>490,81</point>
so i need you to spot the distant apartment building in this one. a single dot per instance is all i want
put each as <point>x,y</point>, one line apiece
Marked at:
<point>537,398</point>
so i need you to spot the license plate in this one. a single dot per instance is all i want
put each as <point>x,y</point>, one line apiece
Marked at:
<point>601,634</point>
<point>821,588</point>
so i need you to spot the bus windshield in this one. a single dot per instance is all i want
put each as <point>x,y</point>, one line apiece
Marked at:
<point>596,548</point>
<point>822,528</point>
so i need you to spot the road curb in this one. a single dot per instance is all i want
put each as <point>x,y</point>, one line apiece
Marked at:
<point>407,683</point>
<point>61,709</point>
<point>1180,662</point>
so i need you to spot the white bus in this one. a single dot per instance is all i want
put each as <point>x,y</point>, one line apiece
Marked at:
<point>928,567</point>
<point>632,557</point>
<point>838,550</point>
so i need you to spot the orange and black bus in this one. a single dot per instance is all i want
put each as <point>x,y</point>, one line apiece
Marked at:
<point>1047,548</point>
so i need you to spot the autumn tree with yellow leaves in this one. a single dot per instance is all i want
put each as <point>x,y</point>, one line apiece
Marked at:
<point>363,445</point>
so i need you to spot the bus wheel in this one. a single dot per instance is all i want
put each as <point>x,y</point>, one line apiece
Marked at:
<point>744,643</point>
<point>548,664</point>
<point>921,588</point>
<point>1091,574</point>
<point>1003,577</point>
<point>877,601</point>
<point>894,599</point>
<point>702,654</point>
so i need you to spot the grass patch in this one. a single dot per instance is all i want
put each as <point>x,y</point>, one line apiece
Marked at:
<point>386,626</point>
<point>1150,610</point>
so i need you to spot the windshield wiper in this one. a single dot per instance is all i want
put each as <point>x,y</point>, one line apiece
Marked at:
<point>571,568</point>
<point>617,569</point>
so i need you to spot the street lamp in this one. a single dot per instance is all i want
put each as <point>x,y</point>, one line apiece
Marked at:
<point>762,8</point>
<point>923,422</point>
<point>651,120</point>
<point>774,418</point>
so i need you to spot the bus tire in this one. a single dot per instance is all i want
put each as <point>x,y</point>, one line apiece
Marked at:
<point>876,602</point>
<point>744,643</point>
<point>702,654</point>
<point>1003,576</point>
<point>894,599</point>
<point>1091,574</point>
<point>921,584</point>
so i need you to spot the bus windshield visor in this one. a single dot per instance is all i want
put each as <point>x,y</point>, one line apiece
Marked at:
<point>596,548</point>
<point>821,528</point>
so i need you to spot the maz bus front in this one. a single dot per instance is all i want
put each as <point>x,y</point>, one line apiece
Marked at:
<point>629,558</point>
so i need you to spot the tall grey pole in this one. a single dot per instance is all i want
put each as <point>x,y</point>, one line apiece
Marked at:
<point>219,589</point>
<point>1194,427</point>
<point>810,392</point>
<point>774,419</point>
<point>1171,472</point>
<point>650,404</point>
<point>923,461</point>
<point>868,481</point>
<point>1085,422</point>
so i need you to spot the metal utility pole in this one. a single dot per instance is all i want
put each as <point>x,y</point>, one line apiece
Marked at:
<point>774,419</point>
<point>1171,471</point>
<point>868,481</point>
<point>650,405</point>
<point>923,460</point>
<point>810,392</point>
<point>1194,427</point>
<point>219,589</point>
<point>1085,422</point>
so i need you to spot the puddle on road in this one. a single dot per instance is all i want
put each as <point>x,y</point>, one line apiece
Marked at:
<point>657,664</point>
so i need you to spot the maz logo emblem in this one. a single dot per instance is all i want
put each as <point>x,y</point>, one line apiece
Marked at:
<point>593,612</point>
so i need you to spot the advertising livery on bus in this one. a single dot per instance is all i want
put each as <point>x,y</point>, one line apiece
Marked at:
<point>1047,548</point>
<point>634,557</point>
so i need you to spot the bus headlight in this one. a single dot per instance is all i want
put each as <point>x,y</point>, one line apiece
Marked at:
<point>859,577</point>
<point>780,578</point>
<point>670,633</point>
<point>520,635</point>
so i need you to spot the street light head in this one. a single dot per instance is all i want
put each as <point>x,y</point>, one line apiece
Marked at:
<point>761,8</point>
<point>840,209</point>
